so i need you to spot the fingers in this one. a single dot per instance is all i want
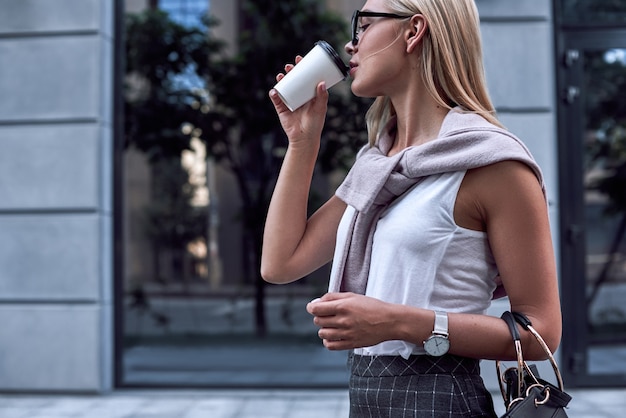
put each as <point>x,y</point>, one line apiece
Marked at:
<point>311,307</point>
<point>320,308</point>
<point>336,340</point>
<point>288,67</point>
<point>334,329</point>
<point>277,102</point>
<point>328,321</point>
<point>337,345</point>
<point>280,76</point>
<point>319,102</point>
<point>323,306</point>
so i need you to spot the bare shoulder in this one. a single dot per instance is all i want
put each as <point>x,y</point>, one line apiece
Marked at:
<point>503,177</point>
<point>508,186</point>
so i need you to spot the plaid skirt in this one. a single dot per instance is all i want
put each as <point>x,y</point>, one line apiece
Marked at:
<point>422,386</point>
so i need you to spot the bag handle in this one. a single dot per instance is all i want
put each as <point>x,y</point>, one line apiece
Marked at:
<point>511,318</point>
<point>510,321</point>
<point>527,325</point>
<point>519,379</point>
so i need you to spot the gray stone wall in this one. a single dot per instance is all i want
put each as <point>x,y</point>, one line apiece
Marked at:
<point>520,66</point>
<point>56,137</point>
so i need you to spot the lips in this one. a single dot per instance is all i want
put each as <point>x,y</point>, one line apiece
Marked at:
<point>353,67</point>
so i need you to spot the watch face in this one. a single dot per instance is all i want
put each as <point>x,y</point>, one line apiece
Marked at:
<point>436,345</point>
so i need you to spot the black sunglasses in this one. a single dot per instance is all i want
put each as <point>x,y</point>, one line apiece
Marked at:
<point>357,14</point>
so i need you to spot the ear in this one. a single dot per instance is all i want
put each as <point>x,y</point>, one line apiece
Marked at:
<point>419,26</point>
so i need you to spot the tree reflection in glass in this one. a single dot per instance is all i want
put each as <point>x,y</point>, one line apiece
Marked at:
<point>594,12</point>
<point>605,185</point>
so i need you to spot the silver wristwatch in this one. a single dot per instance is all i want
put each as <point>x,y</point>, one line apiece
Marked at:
<point>438,343</point>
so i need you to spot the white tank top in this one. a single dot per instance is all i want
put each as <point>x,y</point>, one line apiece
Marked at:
<point>422,258</point>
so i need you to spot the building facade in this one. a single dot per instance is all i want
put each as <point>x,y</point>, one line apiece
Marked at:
<point>56,229</point>
<point>60,87</point>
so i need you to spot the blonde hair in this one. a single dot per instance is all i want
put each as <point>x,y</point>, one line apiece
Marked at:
<point>451,58</point>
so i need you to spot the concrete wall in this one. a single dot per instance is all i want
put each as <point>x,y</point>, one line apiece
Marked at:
<point>56,103</point>
<point>519,61</point>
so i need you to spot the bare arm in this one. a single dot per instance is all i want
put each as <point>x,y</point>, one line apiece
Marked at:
<point>508,200</point>
<point>518,227</point>
<point>293,245</point>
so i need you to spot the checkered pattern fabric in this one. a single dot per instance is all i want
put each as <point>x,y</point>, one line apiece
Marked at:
<point>422,386</point>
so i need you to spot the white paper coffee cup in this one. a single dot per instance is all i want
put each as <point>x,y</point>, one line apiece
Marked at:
<point>322,63</point>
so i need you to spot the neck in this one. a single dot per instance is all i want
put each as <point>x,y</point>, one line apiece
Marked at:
<point>419,118</point>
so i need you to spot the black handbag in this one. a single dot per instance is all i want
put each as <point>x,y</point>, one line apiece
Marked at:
<point>525,394</point>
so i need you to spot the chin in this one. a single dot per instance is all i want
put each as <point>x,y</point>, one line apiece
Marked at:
<point>360,91</point>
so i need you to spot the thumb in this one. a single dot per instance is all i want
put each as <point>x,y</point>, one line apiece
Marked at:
<point>321,89</point>
<point>321,94</point>
<point>324,306</point>
<point>335,296</point>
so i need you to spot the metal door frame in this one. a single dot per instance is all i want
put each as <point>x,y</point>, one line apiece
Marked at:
<point>570,42</point>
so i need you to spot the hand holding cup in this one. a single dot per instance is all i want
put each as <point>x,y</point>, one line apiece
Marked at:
<point>300,82</point>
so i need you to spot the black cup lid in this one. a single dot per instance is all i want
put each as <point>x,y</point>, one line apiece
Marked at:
<point>345,70</point>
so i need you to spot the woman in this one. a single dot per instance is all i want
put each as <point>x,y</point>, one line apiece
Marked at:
<point>442,211</point>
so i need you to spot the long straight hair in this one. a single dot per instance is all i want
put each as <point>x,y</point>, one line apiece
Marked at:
<point>451,58</point>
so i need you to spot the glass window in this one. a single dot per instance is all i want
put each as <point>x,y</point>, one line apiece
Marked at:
<point>593,12</point>
<point>186,12</point>
<point>193,310</point>
<point>605,182</point>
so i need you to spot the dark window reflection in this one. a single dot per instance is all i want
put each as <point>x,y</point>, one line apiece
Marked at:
<point>190,314</point>
<point>605,193</point>
<point>593,12</point>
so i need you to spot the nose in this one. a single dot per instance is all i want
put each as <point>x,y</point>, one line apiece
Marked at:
<point>350,48</point>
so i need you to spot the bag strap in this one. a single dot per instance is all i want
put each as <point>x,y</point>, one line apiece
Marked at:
<point>510,321</point>
<point>525,374</point>
<point>527,325</point>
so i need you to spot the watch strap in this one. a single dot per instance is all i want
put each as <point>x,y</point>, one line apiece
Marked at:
<point>441,323</point>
